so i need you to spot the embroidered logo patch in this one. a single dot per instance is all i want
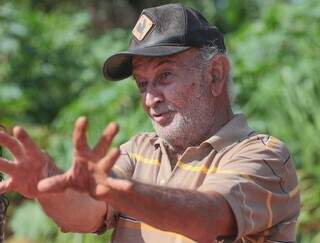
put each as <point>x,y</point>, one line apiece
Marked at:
<point>142,27</point>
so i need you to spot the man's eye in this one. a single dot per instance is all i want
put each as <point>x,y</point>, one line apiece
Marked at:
<point>165,76</point>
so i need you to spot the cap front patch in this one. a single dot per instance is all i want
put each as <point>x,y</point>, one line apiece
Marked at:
<point>142,27</point>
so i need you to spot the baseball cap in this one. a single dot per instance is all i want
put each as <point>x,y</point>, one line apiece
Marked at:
<point>162,31</point>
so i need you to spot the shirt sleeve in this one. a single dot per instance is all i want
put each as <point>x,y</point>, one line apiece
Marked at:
<point>123,169</point>
<point>259,182</point>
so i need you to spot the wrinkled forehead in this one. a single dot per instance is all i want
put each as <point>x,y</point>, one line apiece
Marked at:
<point>180,58</point>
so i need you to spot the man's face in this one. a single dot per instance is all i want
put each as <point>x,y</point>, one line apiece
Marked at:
<point>174,95</point>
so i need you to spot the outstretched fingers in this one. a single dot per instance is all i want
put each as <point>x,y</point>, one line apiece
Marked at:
<point>105,140</point>
<point>80,137</point>
<point>106,163</point>
<point>30,147</point>
<point>6,166</point>
<point>12,144</point>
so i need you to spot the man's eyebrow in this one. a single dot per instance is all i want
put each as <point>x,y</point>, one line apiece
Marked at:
<point>164,61</point>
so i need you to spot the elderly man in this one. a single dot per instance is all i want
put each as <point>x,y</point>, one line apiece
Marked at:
<point>203,176</point>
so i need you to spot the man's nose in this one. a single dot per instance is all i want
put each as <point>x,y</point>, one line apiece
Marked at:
<point>153,97</point>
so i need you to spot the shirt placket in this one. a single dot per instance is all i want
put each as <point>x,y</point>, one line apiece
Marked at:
<point>165,170</point>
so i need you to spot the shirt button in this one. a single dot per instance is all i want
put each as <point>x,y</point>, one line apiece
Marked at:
<point>162,182</point>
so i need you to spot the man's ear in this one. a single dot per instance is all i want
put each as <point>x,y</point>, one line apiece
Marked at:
<point>219,72</point>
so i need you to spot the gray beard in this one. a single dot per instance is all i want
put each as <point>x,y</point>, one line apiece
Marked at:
<point>190,126</point>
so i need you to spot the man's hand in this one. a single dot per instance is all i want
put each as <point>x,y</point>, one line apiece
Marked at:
<point>90,167</point>
<point>28,166</point>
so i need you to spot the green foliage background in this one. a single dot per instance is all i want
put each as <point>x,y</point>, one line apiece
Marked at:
<point>51,53</point>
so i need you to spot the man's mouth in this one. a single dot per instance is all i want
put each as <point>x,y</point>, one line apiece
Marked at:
<point>161,118</point>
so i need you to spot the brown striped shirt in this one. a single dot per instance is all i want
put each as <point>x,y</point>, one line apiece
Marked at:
<point>253,172</point>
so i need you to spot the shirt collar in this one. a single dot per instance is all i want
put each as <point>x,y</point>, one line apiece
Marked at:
<point>155,141</point>
<point>233,131</point>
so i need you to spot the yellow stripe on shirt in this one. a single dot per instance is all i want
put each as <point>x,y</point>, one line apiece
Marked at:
<point>143,159</point>
<point>272,142</point>
<point>194,168</point>
<point>269,209</point>
<point>294,191</point>
<point>188,167</point>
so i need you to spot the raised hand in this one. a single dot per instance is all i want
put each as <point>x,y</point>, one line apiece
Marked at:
<point>90,166</point>
<point>28,166</point>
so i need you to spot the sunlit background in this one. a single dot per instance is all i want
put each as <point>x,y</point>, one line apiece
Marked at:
<point>52,51</point>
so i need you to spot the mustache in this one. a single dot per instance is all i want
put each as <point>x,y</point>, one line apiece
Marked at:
<point>161,110</point>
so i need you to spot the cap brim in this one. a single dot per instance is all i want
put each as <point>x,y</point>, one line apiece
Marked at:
<point>119,66</point>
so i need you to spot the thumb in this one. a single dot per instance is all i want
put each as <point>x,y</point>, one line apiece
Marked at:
<point>52,184</point>
<point>119,184</point>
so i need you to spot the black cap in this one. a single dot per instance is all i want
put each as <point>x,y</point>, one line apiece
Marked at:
<point>163,31</point>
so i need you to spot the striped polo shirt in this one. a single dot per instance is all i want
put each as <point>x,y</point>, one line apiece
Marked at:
<point>253,172</point>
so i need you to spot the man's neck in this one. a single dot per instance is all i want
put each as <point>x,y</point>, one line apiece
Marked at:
<point>176,150</point>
